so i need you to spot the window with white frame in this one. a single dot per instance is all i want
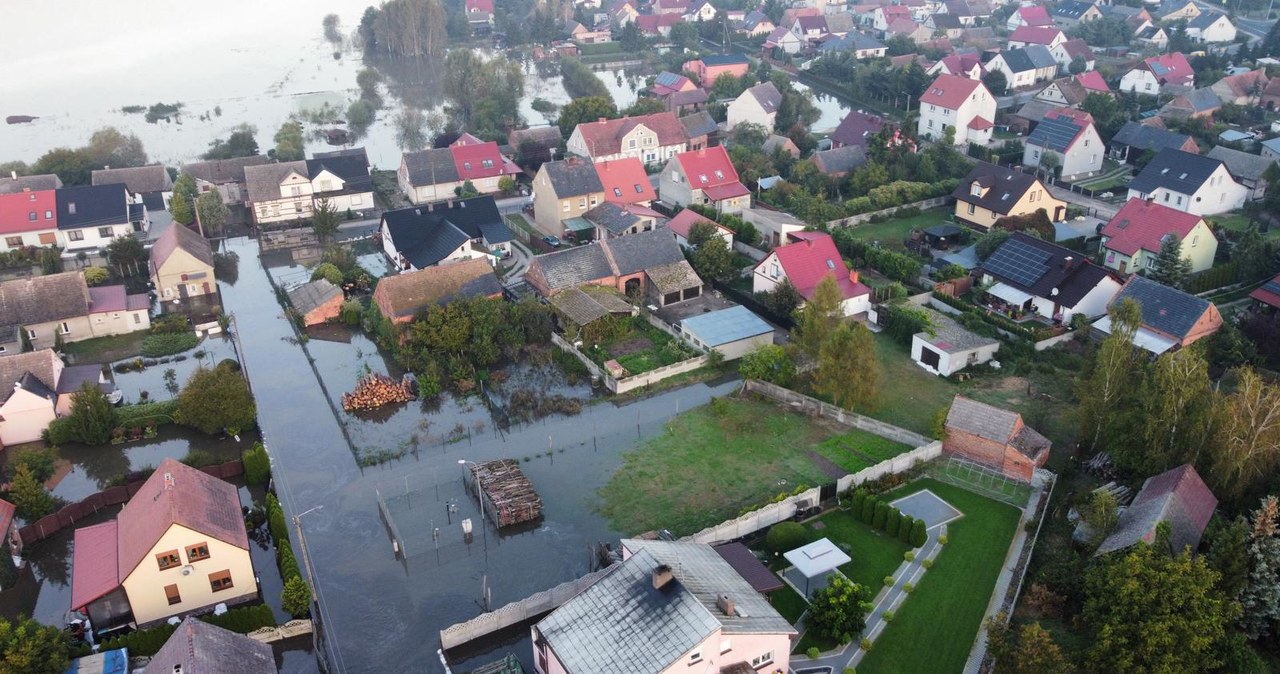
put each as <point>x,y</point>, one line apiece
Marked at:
<point>695,657</point>
<point>65,328</point>
<point>105,232</point>
<point>762,660</point>
<point>75,235</point>
<point>566,207</point>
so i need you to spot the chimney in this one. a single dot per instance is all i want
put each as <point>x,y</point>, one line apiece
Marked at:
<point>853,275</point>
<point>602,120</point>
<point>168,480</point>
<point>1067,262</point>
<point>725,604</point>
<point>662,576</point>
<point>13,174</point>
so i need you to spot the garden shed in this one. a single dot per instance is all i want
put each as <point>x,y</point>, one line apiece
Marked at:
<point>948,348</point>
<point>734,332</point>
<point>316,302</point>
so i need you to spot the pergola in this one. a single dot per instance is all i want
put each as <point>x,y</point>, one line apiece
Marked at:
<point>816,559</point>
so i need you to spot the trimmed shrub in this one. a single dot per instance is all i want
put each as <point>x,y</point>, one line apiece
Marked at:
<point>813,652</point>
<point>888,580</point>
<point>142,642</point>
<point>257,466</point>
<point>859,498</point>
<point>918,535</point>
<point>926,563</point>
<point>942,540</point>
<point>275,520</point>
<point>893,522</point>
<point>243,619</point>
<point>888,616</point>
<point>167,344</point>
<point>786,536</point>
<point>295,598</point>
<point>865,645</point>
<point>904,530</point>
<point>909,555</point>
<point>910,587</point>
<point>868,510</point>
<point>880,516</point>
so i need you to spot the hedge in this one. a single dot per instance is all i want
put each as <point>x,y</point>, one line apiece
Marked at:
<point>257,467</point>
<point>904,532</point>
<point>167,344</point>
<point>918,535</point>
<point>142,642</point>
<point>880,515</point>
<point>785,536</point>
<point>869,510</point>
<point>243,619</point>
<point>1217,277</point>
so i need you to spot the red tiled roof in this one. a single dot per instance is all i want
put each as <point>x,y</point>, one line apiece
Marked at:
<point>16,209</point>
<point>650,23</point>
<point>469,157</point>
<point>479,6</point>
<point>1078,48</point>
<point>1171,68</point>
<point>1092,80</point>
<point>711,171</point>
<point>980,124</point>
<point>902,25</point>
<point>180,237</point>
<point>178,494</point>
<point>814,258</point>
<point>94,570</point>
<point>722,192</point>
<point>107,298</point>
<point>949,91</point>
<point>686,219</point>
<point>1044,35</point>
<point>1266,295</point>
<point>961,63</point>
<point>1245,84</point>
<point>625,181</point>
<point>1140,225</point>
<point>1035,15</point>
<point>7,511</point>
<point>892,11</point>
<point>605,137</point>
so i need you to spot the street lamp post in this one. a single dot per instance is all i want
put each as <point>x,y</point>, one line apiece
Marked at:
<point>311,577</point>
<point>479,498</point>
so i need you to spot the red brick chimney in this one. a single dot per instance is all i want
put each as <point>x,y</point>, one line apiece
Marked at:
<point>853,275</point>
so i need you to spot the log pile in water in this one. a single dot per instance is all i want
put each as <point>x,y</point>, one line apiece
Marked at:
<point>509,497</point>
<point>374,391</point>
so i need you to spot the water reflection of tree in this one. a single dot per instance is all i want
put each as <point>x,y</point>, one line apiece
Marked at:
<point>226,267</point>
<point>51,558</point>
<point>104,464</point>
<point>415,81</point>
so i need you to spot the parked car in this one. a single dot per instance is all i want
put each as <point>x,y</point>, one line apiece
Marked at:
<point>553,241</point>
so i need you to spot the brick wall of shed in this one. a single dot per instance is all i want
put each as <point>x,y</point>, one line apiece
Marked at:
<point>325,312</point>
<point>1004,458</point>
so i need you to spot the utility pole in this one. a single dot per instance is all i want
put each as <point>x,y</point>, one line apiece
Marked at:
<point>311,578</point>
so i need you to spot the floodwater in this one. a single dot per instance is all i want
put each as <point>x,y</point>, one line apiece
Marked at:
<point>252,61</point>
<point>383,611</point>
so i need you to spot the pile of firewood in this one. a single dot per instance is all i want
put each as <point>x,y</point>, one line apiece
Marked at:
<point>374,391</point>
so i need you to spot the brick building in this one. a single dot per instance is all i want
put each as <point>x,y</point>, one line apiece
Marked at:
<point>994,437</point>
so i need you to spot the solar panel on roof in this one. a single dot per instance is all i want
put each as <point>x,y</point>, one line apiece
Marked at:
<point>1019,263</point>
<point>1054,133</point>
<point>1272,287</point>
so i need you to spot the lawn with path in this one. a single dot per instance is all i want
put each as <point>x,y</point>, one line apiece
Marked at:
<point>717,460</point>
<point>934,630</point>
<point>891,233</point>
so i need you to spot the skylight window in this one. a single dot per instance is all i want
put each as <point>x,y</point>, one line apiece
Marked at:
<point>639,188</point>
<point>831,265</point>
<point>702,177</point>
<point>617,192</point>
<point>719,174</point>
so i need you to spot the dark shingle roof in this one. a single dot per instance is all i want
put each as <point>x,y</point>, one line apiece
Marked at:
<point>572,177</point>
<point>1039,268</point>
<point>47,181</point>
<point>16,368</point>
<point>1165,309</point>
<point>427,234</point>
<point>617,218</point>
<point>699,124</point>
<point>92,206</point>
<point>197,647</point>
<point>1242,165</point>
<point>431,167</point>
<point>1143,137</point>
<point>1072,9</point>
<point>220,171</point>
<point>1005,187</point>
<point>262,182</point>
<point>350,165</point>
<point>1028,58</point>
<point>841,159</point>
<point>1055,133</point>
<point>137,179</point>
<point>1175,170</point>
<point>645,250</point>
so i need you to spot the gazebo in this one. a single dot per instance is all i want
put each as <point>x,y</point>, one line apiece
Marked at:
<point>816,560</point>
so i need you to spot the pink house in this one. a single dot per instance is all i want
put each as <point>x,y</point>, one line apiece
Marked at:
<point>708,68</point>
<point>668,608</point>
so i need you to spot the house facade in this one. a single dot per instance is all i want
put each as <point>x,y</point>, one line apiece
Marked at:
<point>992,192</point>
<point>1131,240</point>
<point>756,105</point>
<point>1151,74</point>
<point>960,103</point>
<point>291,190</point>
<point>704,177</point>
<point>1171,318</point>
<point>28,215</point>
<point>1188,182</point>
<point>1071,137</point>
<point>28,397</point>
<point>1211,27</point>
<point>650,138</point>
<point>44,310</point>
<point>91,216</point>
<point>1026,275</point>
<point>443,233</point>
<point>562,190</point>
<point>1026,66</point>
<point>224,175</point>
<point>182,264</point>
<point>806,263</point>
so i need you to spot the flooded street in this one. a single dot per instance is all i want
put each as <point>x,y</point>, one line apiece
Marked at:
<point>373,602</point>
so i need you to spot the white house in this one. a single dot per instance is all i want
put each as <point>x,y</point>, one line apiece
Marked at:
<point>650,138</point>
<point>1211,27</point>
<point>887,14</point>
<point>1069,135</point>
<point>948,348</point>
<point>757,105</point>
<point>806,263</point>
<point>1150,74</point>
<point>90,216</point>
<point>1188,182</point>
<point>959,103</point>
<point>1026,275</point>
<point>705,177</point>
<point>1025,66</point>
<point>291,190</point>
<point>785,40</point>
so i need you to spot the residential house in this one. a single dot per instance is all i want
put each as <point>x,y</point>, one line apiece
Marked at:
<point>1267,296</point>
<point>961,10</point>
<point>1131,240</point>
<point>841,161</point>
<point>994,437</point>
<point>1188,182</point>
<point>670,6</point>
<point>916,32</point>
<point>1247,169</point>
<point>1170,11</point>
<point>1211,27</point>
<point>648,264</point>
<point>701,129</point>
<point>733,332</point>
<point>885,15</point>
<point>441,173</point>
<point>650,138</point>
<point>861,45</point>
<point>1271,148</point>
<point>562,190</point>
<point>45,310</point>
<point>89,217</point>
<point>181,265</point>
<point>1025,66</point>
<point>198,647</point>
<point>708,68</point>
<point>756,105</point>
<point>991,192</point>
<point>1093,83</point>
<point>224,175</point>
<point>316,302</point>
<point>839,23</point>
<point>678,93</point>
<point>704,177</point>
<point>960,103</point>
<point>177,548</point>
<point>623,13</point>
<point>805,263</point>
<point>783,40</point>
<point>1150,74</point>
<point>755,24</point>
<point>28,211</point>
<point>1243,88</point>
<point>139,180</point>
<point>856,130</point>
<point>1032,15</point>
<point>1153,36</point>
<point>1028,276</point>
<point>1072,12</point>
<point>291,190</point>
<point>809,28</point>
<point>1134,139</point>
<point>668,607</point>
<point>657,25</point>
<point>1071,137</point>
<point>1176,497</point>
<point>580,34</point>
<point>624,181</point>
<point>967,65</point>
<point>425,236</point>
<point>533,146</point>
<point>682,223</point>
<point>1070,51</point>
<point>613,219</point>
<point>28,396</point>
<point>947,348</point>
<point>945,25</point>
<point>1171,319</point>
<point>1197,103</point>
<point>1048,36</point>
<point>479,15</point>
<point>402,296</point>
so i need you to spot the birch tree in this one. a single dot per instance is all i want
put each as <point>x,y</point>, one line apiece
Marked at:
<point>1110,381</point>
<point>1248,447</point>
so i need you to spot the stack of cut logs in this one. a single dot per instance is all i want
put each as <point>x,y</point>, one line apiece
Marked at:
<point>374,391</point>
<point>509,494</point>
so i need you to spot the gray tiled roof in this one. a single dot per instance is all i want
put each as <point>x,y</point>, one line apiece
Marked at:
<point>1145,137</point>
<point>699,124</point>
<point>951,337</point>
<point>197,647</point>
<point>572,177</point>
<point>981,419</point>
<point>673,277</point>
<point>43,299</point>
<point>616,218</point>
<point>262,182</point>
<point>645,250</point>
<point>583,307</point>
<point>14,368</point>
<point>1165,309</point>
<point>47,181</point>
<point>575,266</point>
<point>307,297</point>
<point>840,159</point>
<point>431,167</point>
<point>1177,496</point>
<point>221,171</point>
<point>1242,165</point>
<point>137,179</point>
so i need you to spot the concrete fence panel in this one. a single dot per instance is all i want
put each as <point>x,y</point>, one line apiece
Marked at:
<point>855,220</point>
<point>517,611</point>
<point>1053,341</point>
<point>753,253</point>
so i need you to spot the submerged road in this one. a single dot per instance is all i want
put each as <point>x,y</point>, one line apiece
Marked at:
<point>382,612</point>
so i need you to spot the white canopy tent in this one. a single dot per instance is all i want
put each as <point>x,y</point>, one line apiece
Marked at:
<point>816,559</point>
<point>1009,294</point>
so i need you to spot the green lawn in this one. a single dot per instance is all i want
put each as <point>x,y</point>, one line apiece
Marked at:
<point>874,555</point>
<point>1239,222</point>
<point>789,603</point>
<point>936,626</point>
<point>891,233</point>
<point>709,467</point>
<point>857,449</point>
<point>107,349</point>
<point>910,397</point>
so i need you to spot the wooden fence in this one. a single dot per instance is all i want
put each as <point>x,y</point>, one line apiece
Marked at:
<point>112,496</point>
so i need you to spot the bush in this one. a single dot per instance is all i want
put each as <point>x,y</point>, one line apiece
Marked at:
<point>351,312</point>
<point>869,510</point>
<point>40,461</point>
<point>865,645</point>
<point>132,416</point>
<point>893,522</point>
<point>880,515</point>
<point>95,276</point>
<point>918,534</point>
<point>170,324</point>
<point>942,540</point>
<point>30,497</point>
<point>329,272</point>
<point>295,598</point>
<point>275,521</point>
<point>786,536</point>
<point>910,587</point>
<point>926,563</point>
<point>243,619</point>
<point>142,642</point>
<point>216,400</point>
<point>859,498</point>
<point>198,458</point>
<point>888,616</point>
<point>888,581</point>
<point>909,555</point>
<point>838,611</point>
<point>813,652</point>
<point>92,416</point>
<point>257,466</point>
<point>167,344</point>
<point>904,530</point>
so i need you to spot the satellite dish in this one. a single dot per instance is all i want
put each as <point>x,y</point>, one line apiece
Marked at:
<point>1053,293</point>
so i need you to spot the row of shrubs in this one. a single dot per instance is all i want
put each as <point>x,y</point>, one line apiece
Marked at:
<point>241,620</point>
<point>295,598</point>
<point>879,514</point>
<point>1224,274</point>
<point>996,320</point>
<point>142,415</point>
<point>168,343</point>
<point>257,467</point>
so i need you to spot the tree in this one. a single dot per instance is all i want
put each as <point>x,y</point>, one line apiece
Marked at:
<point>769,363</point>
<point>30,497</point>
<point>684,34</point>
<point>1228,554</point>
<point>1252,255</point>
<point>996,82</point>
<point>483,95</point>
<point>241,143</point>
<point>1175,412</point>
<point>1153,613</point>
<point>324,220</point>
<point>847,367</point>
<point>588,109</point>
<point>1035,653</point>
<point>782,301</point>
<point>182,205</point>
<point>410,125</point>
<point>360,116</point>
<point>819,318</point>
<point>988,243</point>
<point>1260,595</point>
<point>216,399</point>
<point>295,598</point>
<point>72,166</point>
<point>92,416</point>
<point>712,258</point>
<point>127,255</point>
<point>1102,515</point>
<point>1170,268</point>
<point>785,537</point>
<point>213,212</point>
<point>50,262</point>
<point>332,28</point>
<point>109,146</point>
<point>329,272</point>
<point>645,105</point>
<point>95,276</point>
<point>1104,391</point>
<point>290,145</point>
<point>631,38</point>
<point>1247,451</point>
<point>414,28</point>
<point>27,647</point>
<point>1078,65</point>
<point>838,611</point>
